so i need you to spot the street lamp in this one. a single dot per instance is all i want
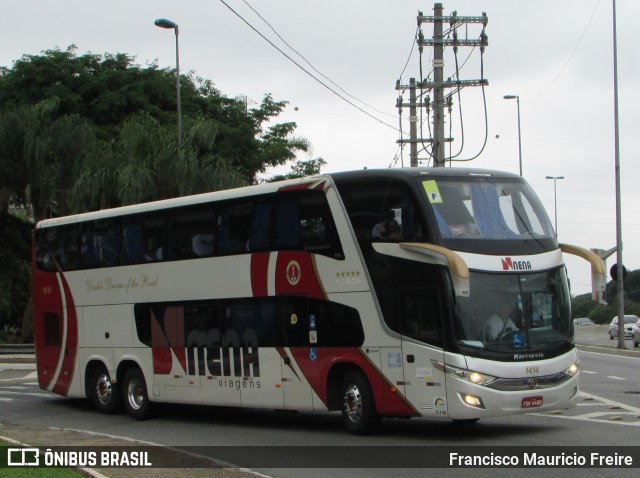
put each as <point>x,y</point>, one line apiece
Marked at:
<point>555,200</point>
<point>164,23</point>
<point>517,98</point>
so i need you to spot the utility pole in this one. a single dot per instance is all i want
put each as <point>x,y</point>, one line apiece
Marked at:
<point>413,120</point>
<point>439,85</point>
<point>438,88</point>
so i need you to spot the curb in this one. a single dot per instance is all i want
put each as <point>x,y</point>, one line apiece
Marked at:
<point>609,350</point>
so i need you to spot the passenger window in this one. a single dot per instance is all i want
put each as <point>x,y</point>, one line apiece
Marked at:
<point>101,243</point>
<point>383,211</point>
<point>234,223</point>
<point>61,243</point>
<point>304,222</point>
<point>192,234</point>
<point>144,239</point>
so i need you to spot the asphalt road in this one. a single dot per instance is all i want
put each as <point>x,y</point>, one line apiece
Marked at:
<point>608,414</point>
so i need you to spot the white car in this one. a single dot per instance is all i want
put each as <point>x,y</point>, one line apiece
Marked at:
<point>629,324</point>
<point>636,334</point>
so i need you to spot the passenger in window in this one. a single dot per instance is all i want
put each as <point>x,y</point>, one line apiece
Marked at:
<point>154,251</point>
<point>388,229</point>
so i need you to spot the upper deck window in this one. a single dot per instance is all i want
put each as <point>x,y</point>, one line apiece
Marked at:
<point>383,211</point>
<point>486,208</point>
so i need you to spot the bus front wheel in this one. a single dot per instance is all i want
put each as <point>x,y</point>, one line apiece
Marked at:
<point>136,400</point>
<point>106,395</point>
<point>358,407</point>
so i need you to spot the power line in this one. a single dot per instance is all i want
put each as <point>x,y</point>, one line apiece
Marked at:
<point>305,70</point>
<point>570,56</point>
<point>309,63</point>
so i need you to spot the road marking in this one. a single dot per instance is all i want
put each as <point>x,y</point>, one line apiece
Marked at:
<point>610,355</point>
<point>613,377</point>
<point>613,415</point>
<point>588,371</point>
<point>33,394</point>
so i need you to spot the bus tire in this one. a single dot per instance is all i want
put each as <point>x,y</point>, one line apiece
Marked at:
<point>105,394</point>
<point>136,399</point>
<point>359,413</point>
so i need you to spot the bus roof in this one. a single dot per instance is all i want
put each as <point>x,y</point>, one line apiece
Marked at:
<point>423,171</point>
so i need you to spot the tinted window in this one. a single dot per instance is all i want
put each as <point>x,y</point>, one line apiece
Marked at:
<point>382,211</point>
<point>251,322</point>
<point>101,243</point>
<point>192,233</point>
<point>299,220</point>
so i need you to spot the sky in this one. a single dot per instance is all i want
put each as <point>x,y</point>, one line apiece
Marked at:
<point>556,55</point>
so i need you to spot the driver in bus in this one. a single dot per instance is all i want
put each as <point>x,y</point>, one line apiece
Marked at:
<point>499,324</point>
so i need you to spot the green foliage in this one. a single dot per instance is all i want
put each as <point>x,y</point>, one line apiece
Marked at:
<point>15,274</point>
<point>39,154</point>
<point>301,169</point>
<point>583,306</point>
<point>107,90</point>
<point>602,313</point>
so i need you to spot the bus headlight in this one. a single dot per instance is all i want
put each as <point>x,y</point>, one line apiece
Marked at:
<point>464,374</point>
<point>572,370</point>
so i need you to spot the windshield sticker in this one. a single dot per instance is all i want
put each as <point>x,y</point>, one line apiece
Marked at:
<point>433,193</point>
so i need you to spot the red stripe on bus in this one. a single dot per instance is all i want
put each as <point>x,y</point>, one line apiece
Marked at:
<point>174,330</point>
<point>160,348</point>
<point>389,401</point>
<point>296,274</point>
<point>305,185</point>
<point>259,271</point>
<point>69,349</point>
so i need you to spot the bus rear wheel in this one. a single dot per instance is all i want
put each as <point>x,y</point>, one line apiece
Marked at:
<point>136,399</point>
<point>106,395</point>
<point>358,407</point>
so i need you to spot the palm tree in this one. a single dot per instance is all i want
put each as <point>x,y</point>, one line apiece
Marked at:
<point>146,164</point>
<point>40,153</point>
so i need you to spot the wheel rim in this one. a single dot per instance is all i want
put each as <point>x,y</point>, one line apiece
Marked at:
<point>135,394</point>
<point>353,403</point>
<point>104,389</point>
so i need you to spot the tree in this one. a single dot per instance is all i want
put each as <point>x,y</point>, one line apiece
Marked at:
<point>145,164</point>
<point>301,169</point>
<point>40,152</point>
<point>15,277</point>
<point>106,90</point>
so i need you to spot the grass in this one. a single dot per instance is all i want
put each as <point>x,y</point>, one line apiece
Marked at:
<point>15,472</point>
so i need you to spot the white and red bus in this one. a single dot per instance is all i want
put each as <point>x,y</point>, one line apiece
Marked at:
<point>393,293</point>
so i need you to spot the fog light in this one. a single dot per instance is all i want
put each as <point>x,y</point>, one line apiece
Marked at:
<point>472,400</point>
<point>574,392</point>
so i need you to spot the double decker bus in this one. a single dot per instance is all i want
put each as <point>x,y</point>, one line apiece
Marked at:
<point>422,292</point>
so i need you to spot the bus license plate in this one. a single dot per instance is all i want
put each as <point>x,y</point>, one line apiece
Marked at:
<point>529,402</point>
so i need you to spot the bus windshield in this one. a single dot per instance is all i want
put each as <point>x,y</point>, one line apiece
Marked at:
<point>486,209</point>
<point>514,312</point>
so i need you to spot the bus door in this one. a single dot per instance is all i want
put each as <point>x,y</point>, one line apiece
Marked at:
<point>422,341</point>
